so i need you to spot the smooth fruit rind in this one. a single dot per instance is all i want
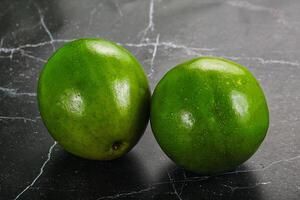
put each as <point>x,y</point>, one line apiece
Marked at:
<point>209,114</point>
<point>94,98</point>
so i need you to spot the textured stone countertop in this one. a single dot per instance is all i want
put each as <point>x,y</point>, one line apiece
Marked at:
<point>263,35</point>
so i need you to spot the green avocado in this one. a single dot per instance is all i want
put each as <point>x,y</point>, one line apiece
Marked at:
<point>94,99</point>
<point>209,115</point>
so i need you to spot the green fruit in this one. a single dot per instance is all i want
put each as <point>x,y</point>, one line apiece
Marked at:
<point>209,115</point>
<point>94,99</point>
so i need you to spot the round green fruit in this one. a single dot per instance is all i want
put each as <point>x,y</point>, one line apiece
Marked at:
<point>209,115</point>
<point>94,99</point>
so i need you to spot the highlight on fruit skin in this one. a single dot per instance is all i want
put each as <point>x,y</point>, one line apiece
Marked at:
<point>94,98</point>
<point>209,115</point>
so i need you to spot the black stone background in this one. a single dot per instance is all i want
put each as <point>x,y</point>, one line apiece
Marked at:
<point>263,35</point>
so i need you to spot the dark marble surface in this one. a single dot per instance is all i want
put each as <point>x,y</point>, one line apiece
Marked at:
<point>263,35</point>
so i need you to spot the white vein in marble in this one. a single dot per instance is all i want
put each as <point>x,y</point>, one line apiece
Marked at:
<point>40,173</point>
<point>264,168</point>
<point>173,186</point>
<point>278,14</point>
<point>14,92</point>
<point>126,194</point>
<point>235,188</point>
<point>17,118</point>
<point>46,28</point>
<point>150,25</point>
<point>153,56</point>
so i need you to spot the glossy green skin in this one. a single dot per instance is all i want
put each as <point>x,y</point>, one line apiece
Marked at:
<point>209,115</point>
<point>94,99</point>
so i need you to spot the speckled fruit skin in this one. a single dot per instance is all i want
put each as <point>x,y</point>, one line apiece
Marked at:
<point>209,115</point>
<point>94,99</point>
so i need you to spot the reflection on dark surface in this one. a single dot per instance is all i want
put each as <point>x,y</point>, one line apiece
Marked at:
<point>70,177</point>
<point>182,184</point>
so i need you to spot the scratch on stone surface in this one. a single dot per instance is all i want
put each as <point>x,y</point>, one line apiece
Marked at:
<point>54,189</point>
<point>48,32</point>
<point>11,54</point>
<point>150,25</point>
<point>21,47</point>
<point>183,184</point>
<point>246,187</point>
<point>192,179</point>
<point>1,42</point>
<point>16,118</point>
<point>41,171</point>
<point>137,45</point>
<point>247,5</point>
<point>173,186</point>
<point>93,12</point>
<point>185,180</point>
<point>24,46</point>
<point>267,61</point>
<point>235,188</point>
<point>253,7</point>
<point>13,92</point>
<point>33,57</point>
<point>263,168</point>
<point>168,45</point>
<point>186,48</point>
<point>277,62</point>
<point>127,194</point>
<point>153,56</point>
<point>196,51</point>
<point>4,56</point>
<point>118,8</point>
<point>46,28</point>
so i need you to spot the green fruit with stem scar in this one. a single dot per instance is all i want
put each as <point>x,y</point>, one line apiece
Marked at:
<point>209,115</point>
<point>94,99</point>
